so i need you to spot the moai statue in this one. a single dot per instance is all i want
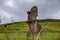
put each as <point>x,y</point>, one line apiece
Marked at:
<point>34,27</point>
<point>33,13</point>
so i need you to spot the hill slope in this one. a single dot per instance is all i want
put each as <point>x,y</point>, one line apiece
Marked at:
<point>18,31</point>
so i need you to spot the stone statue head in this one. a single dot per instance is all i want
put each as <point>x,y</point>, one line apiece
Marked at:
<point>32,14</point>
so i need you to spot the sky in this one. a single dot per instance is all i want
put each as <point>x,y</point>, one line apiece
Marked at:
<point>16,10</point>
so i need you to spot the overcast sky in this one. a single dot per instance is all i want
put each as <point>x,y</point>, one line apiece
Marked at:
<point>17,9</point>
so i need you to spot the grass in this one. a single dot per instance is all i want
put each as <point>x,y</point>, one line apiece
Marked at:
<point>18,31</point>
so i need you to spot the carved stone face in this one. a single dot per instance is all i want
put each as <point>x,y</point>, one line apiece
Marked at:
<point>31,16</point>
<point>34,10</point>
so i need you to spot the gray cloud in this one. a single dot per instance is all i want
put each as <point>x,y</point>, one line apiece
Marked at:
<point>17,9</point>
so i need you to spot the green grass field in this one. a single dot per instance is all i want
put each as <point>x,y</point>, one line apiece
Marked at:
<point>18,31</point>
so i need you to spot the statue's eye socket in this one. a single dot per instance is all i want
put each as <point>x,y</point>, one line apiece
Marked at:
<point>29,13</point>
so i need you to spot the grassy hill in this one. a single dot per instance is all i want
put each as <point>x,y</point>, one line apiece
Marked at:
<point>18,31</point>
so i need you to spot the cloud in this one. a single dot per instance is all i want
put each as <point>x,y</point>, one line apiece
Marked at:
<point>49,8</point>
<point>17,9</point>
<point>9,3</point>
<point>57,15</point>
<point>5,17</point>
<point>26,1</point>
<point>4,14</point>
